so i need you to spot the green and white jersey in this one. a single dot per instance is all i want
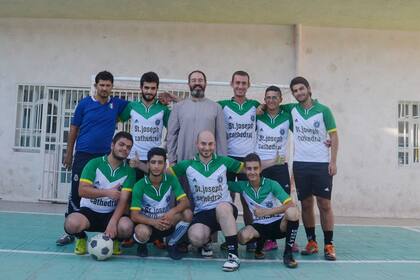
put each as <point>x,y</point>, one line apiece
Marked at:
<point>310,131</point>
<point>272,135</point>
<point>155,202</point>
<point>146,126</point>
<point>208,182</point>
<point>99,173</point>
<point>269,195</point>
<point>240,126</point>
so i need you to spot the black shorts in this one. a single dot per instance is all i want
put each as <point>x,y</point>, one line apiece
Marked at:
<point>208,218</point>
<point>270,231</point>
<point>280,174</point>
<point>312,178</point>
<point>160,234</point>
<point>98,221</point>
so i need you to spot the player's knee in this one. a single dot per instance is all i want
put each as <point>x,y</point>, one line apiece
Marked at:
<point>244,237</point>
<point>292,214</point>
<point>187,215</point>
<point>324,205</point>
<point>197,237</point>
<point>224,209</point>
<point>72,225</point>
<point>142,233</point>
<point>125,228</point>
<point>307,204</point>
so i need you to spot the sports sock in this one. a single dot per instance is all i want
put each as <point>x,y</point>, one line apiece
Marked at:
<point>310,233</point>
<point>180,229</point>
<point>292,229</point>
<point>260,244</point>
<point>328,237</point>
<point>80,235</point>
<point>232,244</point>
<point>138,241</point>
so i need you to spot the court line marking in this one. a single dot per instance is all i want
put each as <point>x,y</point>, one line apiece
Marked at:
<point>31,213</point>
<point>411,229</point>
<point>12,251</point>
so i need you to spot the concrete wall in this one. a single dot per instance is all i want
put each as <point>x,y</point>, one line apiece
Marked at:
<point>65,52</point>
<point>361,75</point>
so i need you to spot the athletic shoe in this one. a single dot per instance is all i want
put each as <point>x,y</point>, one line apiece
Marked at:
<point>64,240</point>
<point>295,248</point>
<point>250,247</point>
<point>207,251</point>
<point>174,253</point>
<point>270,245</point>
<point>232,263</point>
<point>127,243</point>
<point>81,246</point>
<point>289,261</point>
<point>311,248</point>
<point>259,255</point>
<point>223,246</point>
<point>116,248</point>
<point>142,250</point>
<point>159,244</point>
<point>329,252</point>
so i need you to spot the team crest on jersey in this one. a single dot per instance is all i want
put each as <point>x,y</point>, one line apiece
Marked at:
<point>194,180</point>
<point>316,124</point>
<point>220,179</point>
<point>296,120</point>
<point>252,118</point>
<point>157,122</point>
<point>111,106</point>
<point>168,198</point>
<point>96,183</point>
<point>269,204</point>
<point>282,131</point>
<point>261,129</point>
<point>136,121</point>
<point>75,178</point>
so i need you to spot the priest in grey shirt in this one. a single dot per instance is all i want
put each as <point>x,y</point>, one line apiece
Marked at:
<point>191,116</point>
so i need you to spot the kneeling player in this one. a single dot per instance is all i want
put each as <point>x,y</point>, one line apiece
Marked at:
<point>103,201</point>
<point>151,207</point>
<point>213,211</point>
<point>274,213</point>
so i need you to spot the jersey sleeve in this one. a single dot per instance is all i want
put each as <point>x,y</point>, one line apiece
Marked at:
<point>329,120</point>
<point>137,197</point>
<point>235,186</point>
<point>279,192</point>
<point>166,113</point>
<point>89,171</point>
<point>180,168</point>
<point>130,181</point>
<point>223,103</point>
<point>256,103</point>
<point>179,192</point>
<point>287,107</point>
<point>121,104</point>
<point>78,114</point>
<point>126,113</point>
<point>233,165</point>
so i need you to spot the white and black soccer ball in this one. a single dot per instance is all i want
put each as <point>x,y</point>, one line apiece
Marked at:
<point>100,247</point>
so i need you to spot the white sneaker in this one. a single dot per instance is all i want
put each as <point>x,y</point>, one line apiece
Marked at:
<point>232,263</point>
<point>207,251</point>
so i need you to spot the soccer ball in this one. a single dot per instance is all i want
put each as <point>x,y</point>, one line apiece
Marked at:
<point>100,247</point>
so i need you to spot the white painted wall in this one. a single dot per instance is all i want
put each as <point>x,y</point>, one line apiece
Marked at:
<point>361,75</point>
<point>66,52</point>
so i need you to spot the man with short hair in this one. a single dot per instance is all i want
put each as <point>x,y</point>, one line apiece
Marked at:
<point>313,164</point>
<point>274,213</point>
<point>148,117</point>
<point>206,175</point>
<point>93,126</point>
<point>240,120</point>
<point>191,116</point>
<point>151,207</point>
<point>105,188</point>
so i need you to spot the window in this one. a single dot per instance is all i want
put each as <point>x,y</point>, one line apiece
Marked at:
<point>408,133</point>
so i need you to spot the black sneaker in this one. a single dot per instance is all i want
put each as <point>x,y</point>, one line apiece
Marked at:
<point>250,247</point>
<point>65,240</point>
<point>174,253</point>
<point>289,261</point>
<point>142,250</point>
